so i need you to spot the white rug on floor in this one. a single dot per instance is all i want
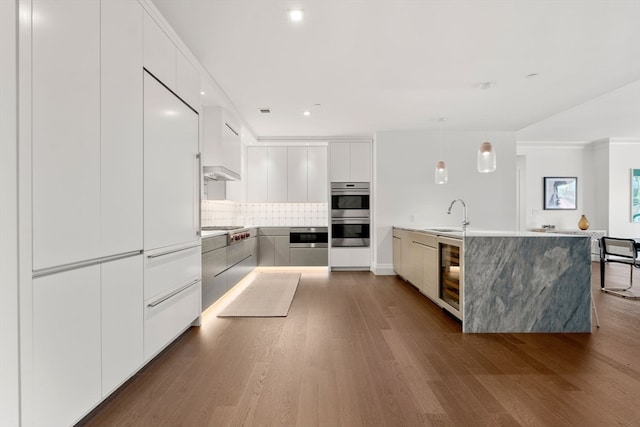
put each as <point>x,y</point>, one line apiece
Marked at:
<point>269,295</point>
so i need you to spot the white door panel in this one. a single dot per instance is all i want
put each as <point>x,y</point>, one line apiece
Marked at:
<point>170,168</point>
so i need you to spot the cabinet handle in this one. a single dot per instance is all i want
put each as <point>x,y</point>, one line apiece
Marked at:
<point>199,207</point>
<point>80,264</point>
<point>231,129</point>
<point>172,251</point>
<point>172,294</point>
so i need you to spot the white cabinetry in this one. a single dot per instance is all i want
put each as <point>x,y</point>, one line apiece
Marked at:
<point>172,295</point>
<point>317,175</point>
<point>66,346</point>
<point>297,174</point>
<point>350,161</point>
<point>257,171</point>
<point>121,310</point>
<point>187,81</point>
<point>307,176</point>
<point>171,182</point>
<point>287,174</point>
<point>221,145</point>
<point>351,258</point>
<point>121,127</point>
<point>66,132</point>
<point>169,65</point>
<point>277,174</point>
<point>159,53</point>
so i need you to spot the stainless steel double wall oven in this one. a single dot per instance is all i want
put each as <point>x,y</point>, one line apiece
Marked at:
<point>350,218</point>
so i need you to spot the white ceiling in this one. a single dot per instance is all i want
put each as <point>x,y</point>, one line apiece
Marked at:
<point>401,64</point>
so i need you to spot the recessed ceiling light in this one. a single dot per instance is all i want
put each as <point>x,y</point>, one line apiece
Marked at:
<point>202,92</point>
<point>307,113</point>
<point>486,85</point>
<point>265,110</point>
<point>532,75</point>
<point>296,15</point>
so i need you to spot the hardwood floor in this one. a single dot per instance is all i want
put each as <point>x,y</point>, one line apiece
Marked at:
<point>365,350</point>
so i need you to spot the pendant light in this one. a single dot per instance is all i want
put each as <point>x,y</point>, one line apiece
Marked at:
<point>441,175</point>
<point>486,158</point>
<point>486,152</point>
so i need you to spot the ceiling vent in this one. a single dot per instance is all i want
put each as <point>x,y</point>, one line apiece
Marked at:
<point>265,110</point>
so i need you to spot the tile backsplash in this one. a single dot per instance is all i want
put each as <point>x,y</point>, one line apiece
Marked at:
<point>224,212</point>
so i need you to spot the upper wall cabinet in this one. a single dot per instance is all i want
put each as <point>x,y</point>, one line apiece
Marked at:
<point>287,174</point>
<point>221,143</point>
<point>307,174</point>
<point>169,65</point>
<point>350,161</point>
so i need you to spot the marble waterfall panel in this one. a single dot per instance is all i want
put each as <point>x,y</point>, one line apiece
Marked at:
<point>527,284</point>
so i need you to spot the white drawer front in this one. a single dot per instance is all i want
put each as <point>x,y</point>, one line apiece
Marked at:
<point>166,271</point>
<point>166,320</point>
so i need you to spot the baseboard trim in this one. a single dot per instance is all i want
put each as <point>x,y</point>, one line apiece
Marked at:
<point>383,270</point>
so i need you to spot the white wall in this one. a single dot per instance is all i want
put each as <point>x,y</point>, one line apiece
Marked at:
<point>624,155</point>
<point>551,159</point>
<point>405,192</point>
<point>9,355</point>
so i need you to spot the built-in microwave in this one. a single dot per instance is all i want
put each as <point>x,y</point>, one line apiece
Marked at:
<point>349,200</point>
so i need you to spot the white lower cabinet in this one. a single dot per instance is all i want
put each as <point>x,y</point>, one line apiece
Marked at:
<point>172,295</point>
<point>66,346</point>
<point>351,258</point>
<point>165,319</point>
<point>87,337</point>
<point>121,321</point>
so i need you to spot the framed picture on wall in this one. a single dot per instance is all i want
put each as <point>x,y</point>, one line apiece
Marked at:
<point>635,195</point>
<point>560,192</point>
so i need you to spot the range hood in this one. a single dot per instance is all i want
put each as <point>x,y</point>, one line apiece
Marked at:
<point>220,173</point>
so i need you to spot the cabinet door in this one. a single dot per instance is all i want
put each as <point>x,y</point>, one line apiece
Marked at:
<point>360,159</point>
<point>277,174</point>
<point>231,150</point>
<point>415,272</point>
<point>257,174</point>
<point>66,132</point>
<point>266,250</point>
<point>121,127</point>
<point>297,174</point>
<point>66,346</point>
<point>429,272</point>
<point>122,320</point>
<point>281,250</point>
<point>317,175</point>
<point>159,53</point>
<point>171,189</point>
<point>187,81</point>
<point>397,255</point>
<point>340,162</point>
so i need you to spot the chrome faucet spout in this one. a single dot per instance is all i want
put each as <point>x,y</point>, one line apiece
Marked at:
<point>465,219</point>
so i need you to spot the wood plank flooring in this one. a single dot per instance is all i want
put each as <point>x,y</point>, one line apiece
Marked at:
<point>365,350</point>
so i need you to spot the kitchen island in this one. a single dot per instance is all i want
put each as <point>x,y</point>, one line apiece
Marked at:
<point>516,281</point>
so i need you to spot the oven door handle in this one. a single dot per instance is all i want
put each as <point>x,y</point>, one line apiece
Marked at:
<point>350,221</point>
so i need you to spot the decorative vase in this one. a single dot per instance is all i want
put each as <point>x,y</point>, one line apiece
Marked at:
<point>583,224</point>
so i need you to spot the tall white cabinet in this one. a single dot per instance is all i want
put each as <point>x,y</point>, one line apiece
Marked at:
<point>101,156</point>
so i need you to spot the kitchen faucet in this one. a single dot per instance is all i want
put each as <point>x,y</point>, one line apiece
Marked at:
<point>465,220</point>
